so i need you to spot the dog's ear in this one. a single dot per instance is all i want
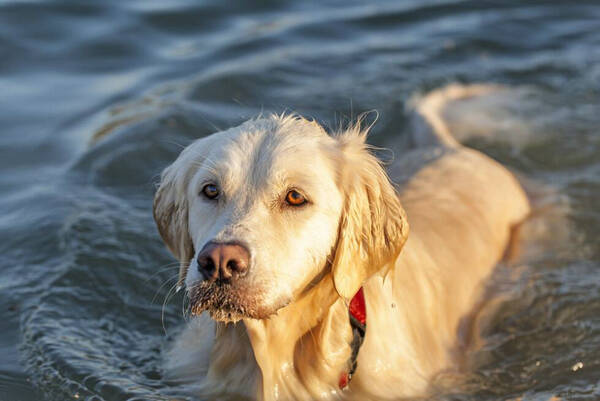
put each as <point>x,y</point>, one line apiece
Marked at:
<point>171,214</point>
<point>373,225</point>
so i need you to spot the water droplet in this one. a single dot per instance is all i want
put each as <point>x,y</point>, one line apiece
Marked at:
<point>577,366</point>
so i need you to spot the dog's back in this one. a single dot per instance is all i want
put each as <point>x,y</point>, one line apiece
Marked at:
<point>462,207</point>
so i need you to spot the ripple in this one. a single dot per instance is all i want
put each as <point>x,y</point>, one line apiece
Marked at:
<point>100,97</point>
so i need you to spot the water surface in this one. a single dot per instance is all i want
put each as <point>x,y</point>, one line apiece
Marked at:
<point>84,274</point>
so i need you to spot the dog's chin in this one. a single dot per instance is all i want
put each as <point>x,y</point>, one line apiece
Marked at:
<point>225,316</point>
<point>227,304</point>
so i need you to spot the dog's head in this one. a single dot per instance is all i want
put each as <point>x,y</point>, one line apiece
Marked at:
<point>258,213</point>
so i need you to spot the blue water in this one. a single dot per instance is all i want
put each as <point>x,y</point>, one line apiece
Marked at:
<point>97,97</point>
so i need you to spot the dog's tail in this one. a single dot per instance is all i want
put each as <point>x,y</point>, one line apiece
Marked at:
<point>455,113</point>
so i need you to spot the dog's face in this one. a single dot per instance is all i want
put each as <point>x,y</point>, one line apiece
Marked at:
<point>257,213</point>
<point>272,192</point>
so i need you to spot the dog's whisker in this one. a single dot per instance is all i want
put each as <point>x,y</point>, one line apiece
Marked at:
<point>162,313</point>
<point>160,271</point>
<point>172,142</point>
<point>167,281</point>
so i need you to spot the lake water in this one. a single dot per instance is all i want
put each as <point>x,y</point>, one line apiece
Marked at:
<point>84,274</point>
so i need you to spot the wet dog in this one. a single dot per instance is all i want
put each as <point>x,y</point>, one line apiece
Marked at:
<point>278,226</point>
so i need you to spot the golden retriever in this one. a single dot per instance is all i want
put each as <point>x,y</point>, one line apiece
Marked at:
<point>277,225</point>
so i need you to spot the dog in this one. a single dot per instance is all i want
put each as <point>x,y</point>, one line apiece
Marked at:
<point>303,276</point>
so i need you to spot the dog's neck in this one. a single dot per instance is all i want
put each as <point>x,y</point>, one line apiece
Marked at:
<point>296,352</point>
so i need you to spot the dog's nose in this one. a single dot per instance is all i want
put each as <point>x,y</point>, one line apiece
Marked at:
<point>223,261</point>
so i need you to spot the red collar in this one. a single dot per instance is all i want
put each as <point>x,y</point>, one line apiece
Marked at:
<point>357,312</point>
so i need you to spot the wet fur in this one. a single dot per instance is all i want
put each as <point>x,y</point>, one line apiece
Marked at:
<point>223,303</point>
<point>293,339</point>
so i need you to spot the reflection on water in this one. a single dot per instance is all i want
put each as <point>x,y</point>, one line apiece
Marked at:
<point>96,98</point>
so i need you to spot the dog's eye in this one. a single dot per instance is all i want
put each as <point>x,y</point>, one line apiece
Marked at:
<point>295,198</point>
<point>211,191</point>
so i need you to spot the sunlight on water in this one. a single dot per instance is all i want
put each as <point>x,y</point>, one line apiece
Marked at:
<point>97,98</point>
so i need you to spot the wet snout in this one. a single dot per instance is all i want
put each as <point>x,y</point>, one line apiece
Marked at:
<point>223,261</point>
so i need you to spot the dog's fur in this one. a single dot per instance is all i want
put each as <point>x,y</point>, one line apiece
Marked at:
<point>282,332</point>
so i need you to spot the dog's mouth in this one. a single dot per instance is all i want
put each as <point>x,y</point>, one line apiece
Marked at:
<point>225,302</point>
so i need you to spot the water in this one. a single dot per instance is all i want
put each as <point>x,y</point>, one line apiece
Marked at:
<point>81,288</point>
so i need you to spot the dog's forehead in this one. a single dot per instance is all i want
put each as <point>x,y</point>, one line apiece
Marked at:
<point>266,146</point>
